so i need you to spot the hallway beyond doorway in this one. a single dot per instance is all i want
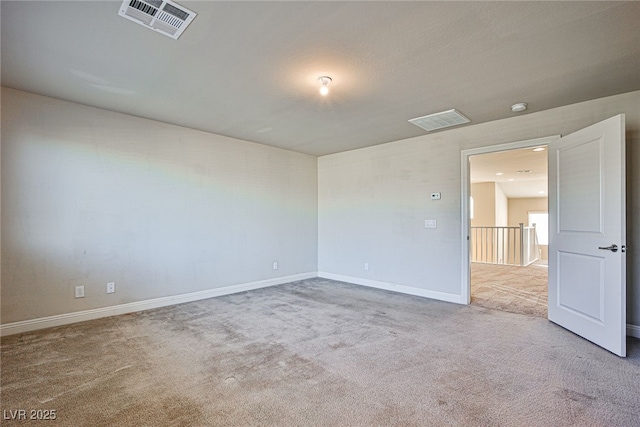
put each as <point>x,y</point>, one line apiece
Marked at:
<point>521,290</point>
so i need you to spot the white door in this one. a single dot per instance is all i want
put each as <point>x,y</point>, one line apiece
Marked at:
<point>587,236</point>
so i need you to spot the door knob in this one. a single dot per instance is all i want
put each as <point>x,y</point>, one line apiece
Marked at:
<point>612,248</point>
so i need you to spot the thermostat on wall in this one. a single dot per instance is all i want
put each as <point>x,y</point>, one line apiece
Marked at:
<point>435,196</point>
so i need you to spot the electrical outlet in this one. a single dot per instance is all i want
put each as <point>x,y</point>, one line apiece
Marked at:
<point>275,265</point>
<point>79,291</point>
<point>111,287</point>
<point>366,266</point>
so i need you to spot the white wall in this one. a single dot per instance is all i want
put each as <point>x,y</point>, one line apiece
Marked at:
<point>502,207</point>
<point>373,201</point>
<point>91,196</point>
<point>484,204</point>
<point>491,205</point>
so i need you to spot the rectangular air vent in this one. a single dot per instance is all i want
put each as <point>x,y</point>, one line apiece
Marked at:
<point>163,16</point>
<point>440,120</point>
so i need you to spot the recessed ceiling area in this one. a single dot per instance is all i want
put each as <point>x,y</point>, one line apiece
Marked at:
<point>520,173</point>
<point>250,70</point>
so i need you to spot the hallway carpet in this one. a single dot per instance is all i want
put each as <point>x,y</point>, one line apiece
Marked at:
<point>510,288</point>
<point>318,353</point>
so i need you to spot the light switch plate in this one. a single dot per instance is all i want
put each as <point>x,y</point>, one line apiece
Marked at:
<point>430,223</point>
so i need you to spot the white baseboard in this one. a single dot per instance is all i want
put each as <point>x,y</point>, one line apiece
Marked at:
<point>632,330</point>
<point>442,296</point>
<point>97,313</point>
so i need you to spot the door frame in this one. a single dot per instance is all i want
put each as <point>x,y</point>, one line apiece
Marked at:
<point>465,291</point>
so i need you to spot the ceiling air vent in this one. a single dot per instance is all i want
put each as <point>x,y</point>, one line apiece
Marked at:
<point>440,120</point>
<point>163,16</point>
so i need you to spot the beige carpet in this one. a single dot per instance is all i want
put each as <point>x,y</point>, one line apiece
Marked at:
<point>520,290</point>
<point>319,353</point>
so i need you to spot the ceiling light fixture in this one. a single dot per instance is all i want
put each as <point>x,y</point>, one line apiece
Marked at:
<point>539,149</point>
<point>324,81</point>
<point>519,107</point>
<point>499,173</point>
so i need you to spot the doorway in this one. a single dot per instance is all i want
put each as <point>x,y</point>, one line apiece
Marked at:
<point>504,195</point>
<point>587,246</point>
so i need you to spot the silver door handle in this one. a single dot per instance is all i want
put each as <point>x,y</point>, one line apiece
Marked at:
<point>612,248</point>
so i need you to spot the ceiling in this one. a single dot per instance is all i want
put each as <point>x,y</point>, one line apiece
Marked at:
<point>519,173</point>
<point>249,70</point>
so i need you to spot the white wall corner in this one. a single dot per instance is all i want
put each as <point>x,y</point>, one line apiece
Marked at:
<point>97,313</point>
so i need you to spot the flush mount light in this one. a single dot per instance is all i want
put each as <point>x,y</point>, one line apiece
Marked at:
<point>519,107</point>
<point>525,171</point>
<point>539,149</point>
<point>500,173</point>
<point>324,88</point>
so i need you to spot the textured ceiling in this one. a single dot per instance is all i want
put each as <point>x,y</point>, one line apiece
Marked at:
<point>505,168</point>
<point>249,69</point>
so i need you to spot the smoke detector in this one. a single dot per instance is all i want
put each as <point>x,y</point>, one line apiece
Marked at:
<point>164,16</point>
<point>440,120</point>
<point>519,107</point>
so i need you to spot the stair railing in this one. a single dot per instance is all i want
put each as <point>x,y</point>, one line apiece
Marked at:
<point>504,245</point>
